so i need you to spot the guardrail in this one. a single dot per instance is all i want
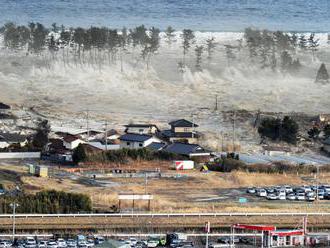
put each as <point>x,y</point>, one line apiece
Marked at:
<point>162,215</point>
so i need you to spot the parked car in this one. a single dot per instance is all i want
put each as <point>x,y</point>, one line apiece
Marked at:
<point>52,244</point>
<point>310,196</point>
<point>251,190</point>
<point>42,244</point>
<point>71,243</point>
<point>99,240</point>
<point>271,197</point>
<point>61,243</point>
<point>300,196</point>
<point>262,193</point>
<point>291,197</point>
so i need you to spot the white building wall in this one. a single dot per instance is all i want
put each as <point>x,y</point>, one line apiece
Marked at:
<point>73,144</point>
<point>3,144</point>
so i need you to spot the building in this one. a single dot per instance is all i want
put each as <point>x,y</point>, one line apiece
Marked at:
<point>323,119</point>
<point>4,108</point>
<point>8,139</point>
<point>326,145</point>
<point>71,141</point>
<point>276,150</point>
<point>192,151</point>
<point>149,129</point>
<point>134,141</point>
<point>155,146</point>
<point>101,144</point>
<point>181,131</point>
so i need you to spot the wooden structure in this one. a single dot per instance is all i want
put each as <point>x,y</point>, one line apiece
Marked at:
<point>133,198</point>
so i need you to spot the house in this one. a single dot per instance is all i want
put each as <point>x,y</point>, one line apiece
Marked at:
<point>181,131</point>
<point>326,145</point>
<point>192,151</point>
<point>4,108</point>
<point>82,133</point>
<point>149,129</point>
<point>57,151</point>
<point>71,141</point>
<point>111,135</point>
<point>323,119</point>
<point>155,146</point>
<point>131,140</point>
<point>102,145</point>
<point>7,139</point>
<point>276,150</point>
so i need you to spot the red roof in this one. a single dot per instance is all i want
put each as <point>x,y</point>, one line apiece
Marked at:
<point>255,227</point>
<point>283,233</point>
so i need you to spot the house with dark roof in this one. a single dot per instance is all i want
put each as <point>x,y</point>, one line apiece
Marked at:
<point>192,151</point>
<point>4,108</point>
<point>155,146</point>
<point>7,139</point>
<point>182,131</point>
<point>135,141</point>
<point>149,129</point>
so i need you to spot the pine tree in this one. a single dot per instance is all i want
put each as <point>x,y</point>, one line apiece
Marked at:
<point>187,39</point>
<point>169,35</point>
<point>210,46</point>
<point>199,53</point>
<point>322,75</point>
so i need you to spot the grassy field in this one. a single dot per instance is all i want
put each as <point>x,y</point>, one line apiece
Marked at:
<point>191,192</point>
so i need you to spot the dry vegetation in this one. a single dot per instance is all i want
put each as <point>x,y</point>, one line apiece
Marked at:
<point>187,193</point>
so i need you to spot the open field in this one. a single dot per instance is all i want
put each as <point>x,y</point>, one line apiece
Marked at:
<point>191,191</point>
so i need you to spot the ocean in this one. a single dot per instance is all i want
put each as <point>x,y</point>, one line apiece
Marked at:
<point>201,15</point>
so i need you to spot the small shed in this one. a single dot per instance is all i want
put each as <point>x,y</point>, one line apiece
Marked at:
<point>41,171</point>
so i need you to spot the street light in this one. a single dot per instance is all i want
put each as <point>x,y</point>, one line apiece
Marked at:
<point>14,205</point>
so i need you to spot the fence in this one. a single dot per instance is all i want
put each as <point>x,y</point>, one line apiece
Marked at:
<point>19,155</point>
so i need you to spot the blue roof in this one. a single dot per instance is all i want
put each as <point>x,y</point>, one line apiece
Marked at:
<point>135,137</point>
<point>185,149</point>
<point>156,146</point>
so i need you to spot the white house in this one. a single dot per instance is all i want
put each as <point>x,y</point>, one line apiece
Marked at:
<point>100,144</point>
<point>135,141</point>
<point>71,142</point>
<point>149,129</point>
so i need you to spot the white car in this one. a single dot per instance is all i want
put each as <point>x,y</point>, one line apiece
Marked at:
<point>152,243</point>
<point>281,196</point>
<point>90,243</point>
<point>291,197</point>
<point>71,243</point>
<point>133,241</point>
<point>300,196</point>
<point>61,243</point>
<point>52,244</point>
<point>262,193</point>
<point>271,197</point>
<point>30,242</point>
<point>42,244</point>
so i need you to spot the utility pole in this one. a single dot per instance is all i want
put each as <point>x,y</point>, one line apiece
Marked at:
<point>145,183</point>
<point>234,130</point>
<point>207,230</point>
<point>216,103</point>
<point>106,135</point>
<point>14,205</point>
<point>87,124</point>
<point>193,126</point>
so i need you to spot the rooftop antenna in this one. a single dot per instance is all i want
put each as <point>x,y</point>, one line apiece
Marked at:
<point>193,126</point>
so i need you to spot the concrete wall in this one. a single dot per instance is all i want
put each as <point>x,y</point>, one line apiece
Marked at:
<point>19,155</point>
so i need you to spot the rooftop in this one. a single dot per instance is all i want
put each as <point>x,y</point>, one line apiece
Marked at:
<point>135,137</point>
<point>4,106</point>
<point>156,146</point>
<point>70,138</point>
<point>12,137</point>
<point>182,123</point>
<point>169,134</point>
<point>185,149</point>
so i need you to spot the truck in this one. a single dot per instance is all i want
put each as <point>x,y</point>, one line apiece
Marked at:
<point>183,165</point>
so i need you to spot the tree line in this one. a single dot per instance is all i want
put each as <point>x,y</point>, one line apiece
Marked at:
<point>83,154</point>
<point>275,50</point>
<point>277,129</point>
<point>47,202</point>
